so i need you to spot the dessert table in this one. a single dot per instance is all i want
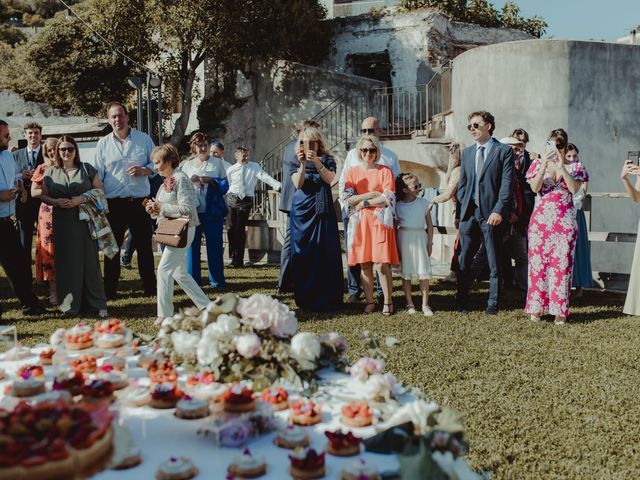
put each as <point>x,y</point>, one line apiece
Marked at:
<point>159,434</point>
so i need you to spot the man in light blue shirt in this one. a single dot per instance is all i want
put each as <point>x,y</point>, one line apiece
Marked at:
<point>123,161</point>
<point>12,253</point>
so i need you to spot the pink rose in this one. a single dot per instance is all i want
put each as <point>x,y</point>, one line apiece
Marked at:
<point>365,367</point>
<point>256,311</point>
<point>248,345</point>
<point>283,322</point>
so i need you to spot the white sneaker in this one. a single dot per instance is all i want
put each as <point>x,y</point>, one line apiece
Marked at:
<point>102,313</point>
<point>411,310</point>
<point>427,311</point>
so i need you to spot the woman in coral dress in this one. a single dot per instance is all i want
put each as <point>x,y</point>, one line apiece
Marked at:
<point>553,229</point>
<point>370,194</point>
<point>45,270</point>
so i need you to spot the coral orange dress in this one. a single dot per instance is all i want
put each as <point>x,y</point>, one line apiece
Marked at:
<point>45,270</point>
<point>374,240</point>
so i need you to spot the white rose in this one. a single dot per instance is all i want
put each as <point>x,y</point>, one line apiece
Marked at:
<point>248,345</point>
<point>207,351</point>
<point>185,343</point>
<point>228,323</point>
<point>305,349</point>
<point>167,322</point>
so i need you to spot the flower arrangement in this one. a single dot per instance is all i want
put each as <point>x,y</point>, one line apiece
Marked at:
<point>253,338</point>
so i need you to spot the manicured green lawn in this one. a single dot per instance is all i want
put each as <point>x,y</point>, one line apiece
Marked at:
<point>540,401</point>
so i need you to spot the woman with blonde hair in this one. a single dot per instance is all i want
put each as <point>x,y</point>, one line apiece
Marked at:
<point>370,193</point>
<point>316,256</point>
<point>45,263</point>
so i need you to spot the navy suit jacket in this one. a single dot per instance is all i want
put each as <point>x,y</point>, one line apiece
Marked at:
<point>289,158</point>
<point>496,182</point>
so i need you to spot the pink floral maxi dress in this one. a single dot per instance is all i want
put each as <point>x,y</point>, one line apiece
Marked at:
<point>553,232</point>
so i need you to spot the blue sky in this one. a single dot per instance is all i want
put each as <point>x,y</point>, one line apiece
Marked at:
<point>583,19</point>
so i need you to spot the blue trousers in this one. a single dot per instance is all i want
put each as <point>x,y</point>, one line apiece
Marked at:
<point>211,226</point>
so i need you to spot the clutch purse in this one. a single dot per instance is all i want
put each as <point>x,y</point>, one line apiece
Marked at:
<point>173,232</point>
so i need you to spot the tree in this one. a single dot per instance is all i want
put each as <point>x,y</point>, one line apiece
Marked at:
<point>483,13</point>
<point>11,35</point>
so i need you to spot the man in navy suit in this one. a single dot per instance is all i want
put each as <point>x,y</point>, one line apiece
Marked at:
<point>289,158</point>
<point>484,205</point>
<point>27,159</point>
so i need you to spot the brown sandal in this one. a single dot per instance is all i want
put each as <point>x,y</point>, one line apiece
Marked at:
<point>366,310</point>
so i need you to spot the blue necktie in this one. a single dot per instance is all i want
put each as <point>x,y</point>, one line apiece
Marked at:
<point>479,166</point>
<point>32,164</point>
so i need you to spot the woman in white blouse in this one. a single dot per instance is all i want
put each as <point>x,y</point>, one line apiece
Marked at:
<point>175,199</point>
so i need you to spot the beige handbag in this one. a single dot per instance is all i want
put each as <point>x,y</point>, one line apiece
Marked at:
<point>173,232</point>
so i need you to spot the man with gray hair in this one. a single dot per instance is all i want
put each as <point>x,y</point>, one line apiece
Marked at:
<point>388,158</point>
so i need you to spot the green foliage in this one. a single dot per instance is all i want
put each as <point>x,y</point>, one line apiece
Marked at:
<point>482,12</point>
<point>11,35</point>
<point>44,9</point>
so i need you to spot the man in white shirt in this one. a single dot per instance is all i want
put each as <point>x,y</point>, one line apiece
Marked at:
<point>123,161</point>
<point>242,176</point>
<point>27,159</point>
<point>388,158</point>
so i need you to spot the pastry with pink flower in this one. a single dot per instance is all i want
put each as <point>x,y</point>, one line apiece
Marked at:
<point>248,465</point>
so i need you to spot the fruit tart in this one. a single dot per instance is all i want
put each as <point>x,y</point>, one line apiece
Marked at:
<point>343,444</point>
<point>115,361</point>
<point>162,372</point>
<point>29,381</point>
<point>192,408</point>
<point>176,468</point>
<point>79,337</point>
<point>305,413</point>
<point>71,381</point>
<point>359,470</point>
<point>165,395</point>
<point>31,371</point>
<point>306,464</point>
<point>292,437</point>
<point>46,356</point>
<point>84,364</point>
<point>118,378</point>
<point>277,397</point>
<point>97,392</point>
<point>204,386</point>
<point>356,414</point>
<point>109,326</point>
<point>248,465</point>
<point>136,396</point>
<point>238,399</point>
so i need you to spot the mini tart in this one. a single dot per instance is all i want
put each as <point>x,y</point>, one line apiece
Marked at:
<point>28,371</point>
<point>79,337</point>
<point>356,414</point>
<point>119,379</point>
<point>192,408</point>
<point>305,413</point>
<point>359,470</point>
<point>306,464</point>
<point>162,372</point>
<point>71,381</point>
<point>84,364</point>
<point>343,444</point>
<point>292,437</point>
<point>110,340</point>
<point>97,391</point>
<point>238,399</point>
<point>119,363</point>
<point>27,387</point>
<point>109,326</point>
<point>176,468</point>
<point>46,356</point>
<point>248,465</point>
<point>277,397</point>
<point>196,379</point>
<point>165,395</point>
<point>136,396</point>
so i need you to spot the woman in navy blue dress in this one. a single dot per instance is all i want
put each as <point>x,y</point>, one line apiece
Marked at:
<point>316,256</point>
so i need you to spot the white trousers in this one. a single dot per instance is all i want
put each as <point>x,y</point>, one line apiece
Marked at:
<point>173,266</point>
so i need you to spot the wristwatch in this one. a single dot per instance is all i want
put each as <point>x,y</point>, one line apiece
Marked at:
<point>365,203</point>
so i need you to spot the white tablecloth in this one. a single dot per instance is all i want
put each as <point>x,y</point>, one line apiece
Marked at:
<point>160,435</point>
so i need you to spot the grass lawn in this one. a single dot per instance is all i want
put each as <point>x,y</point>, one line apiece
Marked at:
<point>540,401</point>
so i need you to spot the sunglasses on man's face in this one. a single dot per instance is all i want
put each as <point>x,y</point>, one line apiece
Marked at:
<point>474,126</point>
<point>369,150</point>
<point>368,131</point>
<point>67,149</point>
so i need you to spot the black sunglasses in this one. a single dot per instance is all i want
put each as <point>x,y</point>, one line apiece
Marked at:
<point>369,150</point>
<point>417,186</point>
<point>67,149</point>
<point>474,125</point>
<point>369,131</point>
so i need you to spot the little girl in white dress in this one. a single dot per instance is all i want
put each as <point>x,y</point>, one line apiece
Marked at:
<point>415,239</point>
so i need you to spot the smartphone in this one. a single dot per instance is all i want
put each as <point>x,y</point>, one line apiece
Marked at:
<point>634,157</point>
<point>311,145</point>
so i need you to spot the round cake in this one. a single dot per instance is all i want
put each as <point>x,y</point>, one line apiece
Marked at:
<point>110,340</point>
<point>238,399</point>
<point>117,362</point>
<point>136,396</point>
<point>247,465</point>
<point>71,381</point>
<point>359,470</point>
<point>84,364</point>
<point>277,397</point>
<point>27,387</point>
<point>176,468</point>
<point>356,414</point>
<point>119,379</point>
<point>46,356</point>
<point>305,413</point>
<point>165,395</point>
<point>79,337</point>
<point>292,437</point>
<point>97,392</point>
<point>306,464</point>
<point>192,408</point>
<point>343,444</point>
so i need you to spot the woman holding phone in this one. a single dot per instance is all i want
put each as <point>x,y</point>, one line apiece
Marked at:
<point>316,256</point>
<point>632,303</point>
<point>553,229</point>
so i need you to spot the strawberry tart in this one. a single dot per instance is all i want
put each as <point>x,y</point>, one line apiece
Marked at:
<point>306,464</point>
<point>305,413</point>
<point>238,399</point>
<point>84,364</point>
<point>79,337</point>
<point>165,395</point>
<point>46,356</point>
<point>343,444</point>
<point>356,414</point>
<point>97,392</point>
<point>29,381</point>
<point>277,397</point>
<point>162,372</point>
<point>118,378</point>
<point>71,381</point>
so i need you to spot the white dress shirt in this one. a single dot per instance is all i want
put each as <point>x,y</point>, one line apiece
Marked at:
<point>8,176</point>
<point>388,158</point>
<point>244,176</point>
<point>213,167</point>
<point>112,160</point>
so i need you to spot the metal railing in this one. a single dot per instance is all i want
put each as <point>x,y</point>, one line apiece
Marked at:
<point>349,9</point>
<point>439,92</point>
<point>401,111</point>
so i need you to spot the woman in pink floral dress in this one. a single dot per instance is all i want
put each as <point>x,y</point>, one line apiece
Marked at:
<point>553,229</point>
